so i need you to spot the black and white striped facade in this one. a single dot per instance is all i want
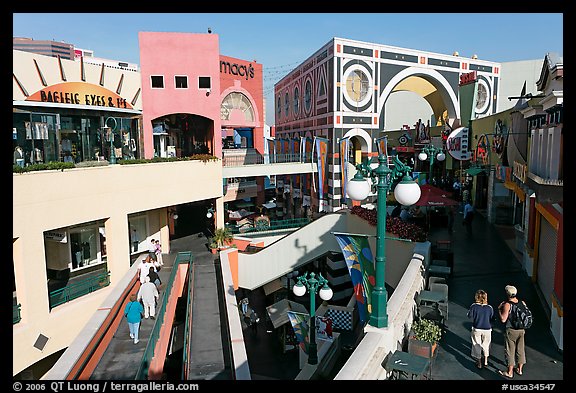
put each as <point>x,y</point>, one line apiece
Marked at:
<point>313,100</point>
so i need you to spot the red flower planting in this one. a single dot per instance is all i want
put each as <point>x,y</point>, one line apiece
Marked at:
<point>395,225</point>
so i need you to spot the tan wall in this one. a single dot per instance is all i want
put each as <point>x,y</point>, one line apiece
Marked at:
<point>48,200</point>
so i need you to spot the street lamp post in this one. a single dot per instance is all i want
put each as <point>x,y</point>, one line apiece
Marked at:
<point>431,151</point>
<point>299,289</point>
<point>406,192</point>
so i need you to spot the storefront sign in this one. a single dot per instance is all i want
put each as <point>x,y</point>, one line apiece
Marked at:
<point>404,149</point>
<point>470,77</point>
<point>237,69</point>
<point>520,171</point>
<point>79,93</point>
<point>457,144</point>
<point>55,236</point>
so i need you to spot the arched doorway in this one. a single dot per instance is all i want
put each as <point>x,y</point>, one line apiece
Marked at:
<point>182,135</point>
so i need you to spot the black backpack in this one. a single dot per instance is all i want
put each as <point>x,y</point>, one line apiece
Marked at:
<point>520,315</point>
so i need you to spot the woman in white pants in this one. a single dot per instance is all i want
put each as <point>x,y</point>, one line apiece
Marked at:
<point>148,294</point>
<point>481,314</point>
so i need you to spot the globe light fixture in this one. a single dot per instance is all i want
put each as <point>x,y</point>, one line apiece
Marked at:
<point>432,152</point>
<point>407,192</point>
<point>312,284</point>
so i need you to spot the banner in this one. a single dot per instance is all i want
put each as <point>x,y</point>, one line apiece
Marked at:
<point>321,148</point>
<point>295,150</point>
<point>324,328</point>
<point>382,145</point>
<point>271,150</point>
<point>360,263</point>
<point>305,149</point>
<point>344,149</point>
<point>299,323</point>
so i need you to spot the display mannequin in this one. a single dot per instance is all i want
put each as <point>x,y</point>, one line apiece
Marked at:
<point>19,156</point>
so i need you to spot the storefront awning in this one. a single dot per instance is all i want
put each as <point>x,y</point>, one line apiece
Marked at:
<point>474,171</point>
<point>278,312</point>
<point>75,106</point>
<point>269,205</point>
<point>273,286</point>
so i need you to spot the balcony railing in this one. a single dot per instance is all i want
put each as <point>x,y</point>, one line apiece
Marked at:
<point>78,289</point>
<point>259,159</point>
<point>274,225</point>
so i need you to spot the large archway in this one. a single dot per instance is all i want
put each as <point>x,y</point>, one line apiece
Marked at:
<point>182,135</point>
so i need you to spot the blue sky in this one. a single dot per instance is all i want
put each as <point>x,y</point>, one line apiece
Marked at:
<point>280,41</point>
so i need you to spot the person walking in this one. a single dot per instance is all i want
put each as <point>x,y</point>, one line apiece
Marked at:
<point>148,293</point>
<point>513,338</point>
<point>481,314</point>
<point>144,268</point>
<point>154,278</point>
<point>158,252</point>
<point>468,216</point>
<point>133,313</point>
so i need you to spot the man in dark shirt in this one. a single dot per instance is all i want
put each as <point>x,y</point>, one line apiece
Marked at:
<point>154,277</point>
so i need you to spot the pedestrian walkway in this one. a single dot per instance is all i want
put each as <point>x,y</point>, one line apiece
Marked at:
<point>485,261</point>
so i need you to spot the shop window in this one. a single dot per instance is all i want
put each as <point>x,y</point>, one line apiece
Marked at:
<point>181,82</point>
<point>236,102</point>
<point>138,234</point>
<point>157,81</point>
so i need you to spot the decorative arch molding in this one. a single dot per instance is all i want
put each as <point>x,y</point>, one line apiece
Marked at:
<point>235,89</point>
<point>363,136</point>
<point>432,76</point>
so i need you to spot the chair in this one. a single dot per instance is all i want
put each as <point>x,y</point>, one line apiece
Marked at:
<point>437,287</point>
<point>440,262</point>
<point>435,280</point>
<point>431,312</point>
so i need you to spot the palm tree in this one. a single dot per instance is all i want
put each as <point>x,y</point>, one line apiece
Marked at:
<point>222,236</point>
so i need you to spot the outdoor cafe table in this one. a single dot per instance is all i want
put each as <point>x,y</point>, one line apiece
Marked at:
<point>408,364</point>
<point>431,297</point>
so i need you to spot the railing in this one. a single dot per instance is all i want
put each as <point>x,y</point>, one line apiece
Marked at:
<point>187,324</point>
<point>16,313</point>
<point>142,374</point>
<point>79,289</point>
<point>259,159</point>
<point>274,225</point>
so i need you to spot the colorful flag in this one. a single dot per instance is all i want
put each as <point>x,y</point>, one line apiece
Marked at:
<point>360,263</point>
<point>271,150</point>
<point>382,146</point>
<point>321,147</point>
<point>299,323</point>
<point>344,149</point>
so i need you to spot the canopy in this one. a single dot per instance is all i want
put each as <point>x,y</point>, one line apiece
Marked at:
<point>434,196</point>
<point>278,312</point>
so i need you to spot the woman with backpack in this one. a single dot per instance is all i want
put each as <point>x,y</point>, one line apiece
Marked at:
<point>514,334</point>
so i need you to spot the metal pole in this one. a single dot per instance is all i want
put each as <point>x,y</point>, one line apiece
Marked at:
<point>379,315</point>
<point>313,349</point>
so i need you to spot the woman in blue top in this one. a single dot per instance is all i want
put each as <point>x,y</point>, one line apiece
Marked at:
<point>481,314</point>
<point>133,313</point>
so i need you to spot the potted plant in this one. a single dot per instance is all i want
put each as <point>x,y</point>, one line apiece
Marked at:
<point>222,237</point>
<point>424,337</point>
<point>213,246</point>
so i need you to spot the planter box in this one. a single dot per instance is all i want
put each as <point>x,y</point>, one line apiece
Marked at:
<point>421,348</point>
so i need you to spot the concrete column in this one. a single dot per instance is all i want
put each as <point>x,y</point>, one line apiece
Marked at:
<point>164,230</point>
<point>117,246</point>
<point>220,212</point>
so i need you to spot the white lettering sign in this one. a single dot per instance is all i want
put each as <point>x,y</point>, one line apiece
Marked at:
<point>457,144</point>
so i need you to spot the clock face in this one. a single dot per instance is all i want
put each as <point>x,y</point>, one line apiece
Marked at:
<point>357,85</point>
<point>481,96</point>
<point>308,96</point>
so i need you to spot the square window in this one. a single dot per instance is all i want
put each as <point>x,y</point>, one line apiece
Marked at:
<point>181,82</point>
<point>204,82</point>
<point>157,81</point>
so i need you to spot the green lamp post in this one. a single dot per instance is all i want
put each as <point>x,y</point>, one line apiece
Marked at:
<point>299,289</point>
<point>406,192</point>
<point>431,151</point>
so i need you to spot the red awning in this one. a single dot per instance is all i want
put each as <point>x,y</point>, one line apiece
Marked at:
<point>434,196</point>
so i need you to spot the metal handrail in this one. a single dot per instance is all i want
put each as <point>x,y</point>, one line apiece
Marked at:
<point>187,325</point>
<point>259,159</point>
<point>181,257</point>
<point>274,225</point>
<point>78,289</point>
